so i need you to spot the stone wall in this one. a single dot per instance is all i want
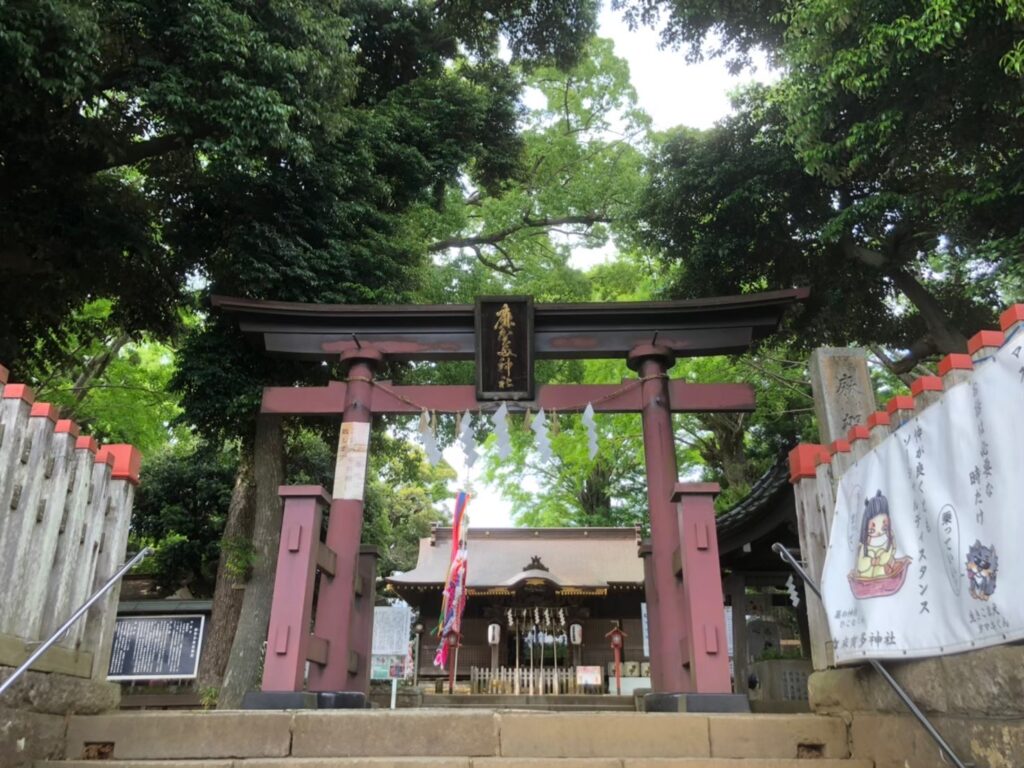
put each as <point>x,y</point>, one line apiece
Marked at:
<point>976,701</point>
<point>33,713</point>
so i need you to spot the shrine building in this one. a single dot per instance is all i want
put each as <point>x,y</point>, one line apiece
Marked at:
<point>551,577</point>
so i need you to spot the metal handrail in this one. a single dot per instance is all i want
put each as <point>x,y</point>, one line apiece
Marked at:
<point>944,747</point>
<point>145,552</point>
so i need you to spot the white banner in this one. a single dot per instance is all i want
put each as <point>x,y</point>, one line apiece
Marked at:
<point>926,552</point>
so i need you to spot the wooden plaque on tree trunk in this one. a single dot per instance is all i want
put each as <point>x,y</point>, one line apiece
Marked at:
<point>504,348</point>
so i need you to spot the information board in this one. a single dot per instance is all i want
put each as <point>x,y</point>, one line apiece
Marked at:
<point>588,676</point>
<point>156,647</point>
<point>387,667</point>
<point>391,625</point>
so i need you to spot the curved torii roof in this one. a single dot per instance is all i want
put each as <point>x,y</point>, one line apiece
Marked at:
<point>691,327</point>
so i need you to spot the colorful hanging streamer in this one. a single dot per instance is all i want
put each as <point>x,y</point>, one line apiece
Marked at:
<point>454,599</point>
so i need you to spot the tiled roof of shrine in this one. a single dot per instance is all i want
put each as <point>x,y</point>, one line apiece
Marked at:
<point>504,557</point>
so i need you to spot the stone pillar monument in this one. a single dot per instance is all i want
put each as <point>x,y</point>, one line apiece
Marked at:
<point>843,396</point>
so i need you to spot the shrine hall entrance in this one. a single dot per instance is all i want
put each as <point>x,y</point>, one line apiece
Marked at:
<point>504,336</point>
<point>540,604</point>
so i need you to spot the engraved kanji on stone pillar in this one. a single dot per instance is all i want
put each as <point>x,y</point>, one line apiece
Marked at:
<point>843,396</point>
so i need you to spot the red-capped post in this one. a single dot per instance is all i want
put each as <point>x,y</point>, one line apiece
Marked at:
<point>813,531</point>
<point>984,344</point>
<point>900,410</point>
<point>955,369</point>
<point>878,428</point>
<point>1011,320</point>
<point>925,391</point>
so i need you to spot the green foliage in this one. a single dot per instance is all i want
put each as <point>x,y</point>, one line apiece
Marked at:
<point>115,388</point>
<point>208,696</point>
<point>572,490</point>
<point>404,495</point>
<point>578,176</point>
<point>540,31</point>
<point>883,169</point>
<point>239,557</point>
<point>117,113</point>
<point>733,209</point>
<point>711,27</point>
<point>180,511</point>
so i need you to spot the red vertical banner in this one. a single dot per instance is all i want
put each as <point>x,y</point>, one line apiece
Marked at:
<point>454,599</point>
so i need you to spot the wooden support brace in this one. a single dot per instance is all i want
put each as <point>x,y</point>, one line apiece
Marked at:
<point>291,609</point>
<point>326,559</point>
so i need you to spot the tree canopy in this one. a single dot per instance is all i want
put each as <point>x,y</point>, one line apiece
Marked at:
<point>265,147</point>
<point>882,168</point>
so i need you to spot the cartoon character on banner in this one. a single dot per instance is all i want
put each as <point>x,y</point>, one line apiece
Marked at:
<point>878,572</point>
<point>982,565</point>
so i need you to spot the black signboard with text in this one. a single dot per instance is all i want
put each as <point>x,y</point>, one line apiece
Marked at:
<point>504,348</point>
<point>156,647</point>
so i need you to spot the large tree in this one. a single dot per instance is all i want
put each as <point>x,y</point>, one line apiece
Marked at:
<point>430,106</point>
<point>884,167</point>
<point>142,142</point>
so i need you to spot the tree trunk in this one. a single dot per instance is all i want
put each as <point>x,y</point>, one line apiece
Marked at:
<point>944,336</point>
<point>95,367</point>
<point>227,595</point>
<point>245,665</point>
<point>727,452</point>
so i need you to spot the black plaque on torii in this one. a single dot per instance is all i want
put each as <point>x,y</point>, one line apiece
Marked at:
<point>504,348</point>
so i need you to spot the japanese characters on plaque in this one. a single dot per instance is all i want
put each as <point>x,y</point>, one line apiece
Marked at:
<point>928,535</point>
<point>504,348</point>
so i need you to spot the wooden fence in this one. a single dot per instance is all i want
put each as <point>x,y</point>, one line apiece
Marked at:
<point>528,682</point>
<point>65,504</point>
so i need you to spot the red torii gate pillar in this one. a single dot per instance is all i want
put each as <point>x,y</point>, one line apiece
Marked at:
<point>686,600</point>
<point>345,665</point>
<point>685,603</point>
<point>665,616</point>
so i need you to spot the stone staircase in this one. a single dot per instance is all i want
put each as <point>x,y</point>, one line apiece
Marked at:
<point>454,739</point>
<point>560,703</point>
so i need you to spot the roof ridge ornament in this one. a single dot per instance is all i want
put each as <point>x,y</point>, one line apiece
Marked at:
<point>535,564</point>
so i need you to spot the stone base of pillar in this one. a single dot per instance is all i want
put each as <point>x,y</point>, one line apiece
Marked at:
<point>279,700</point>
<point>343,700</point>
<point>696,702</point>
<point>305,700</point>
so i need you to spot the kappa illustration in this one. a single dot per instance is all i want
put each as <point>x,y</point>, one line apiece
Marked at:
<point>982,566</point>
<point>879,572</point>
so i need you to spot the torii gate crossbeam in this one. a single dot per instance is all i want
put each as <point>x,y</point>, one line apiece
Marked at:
<point>685,615</point>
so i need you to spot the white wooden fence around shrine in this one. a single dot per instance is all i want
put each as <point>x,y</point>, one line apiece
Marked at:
<point>815,470</point>
<point>527,682</point>
<point>65,505</point>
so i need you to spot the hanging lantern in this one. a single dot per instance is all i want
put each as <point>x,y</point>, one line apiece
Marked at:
<point>576,634</point>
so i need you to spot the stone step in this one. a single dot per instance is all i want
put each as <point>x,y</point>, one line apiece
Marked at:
<point>475,734</point>
<point>564,703</point>
<point>468,762</point>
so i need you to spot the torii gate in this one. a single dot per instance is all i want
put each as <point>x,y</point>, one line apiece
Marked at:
<point>683,586</point>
